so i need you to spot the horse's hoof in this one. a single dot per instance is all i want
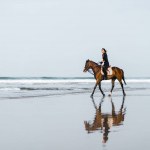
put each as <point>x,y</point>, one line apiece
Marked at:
<point>91,96</point>
<point>124,94</point>
<point>109,95</point>
<point>103,95</point>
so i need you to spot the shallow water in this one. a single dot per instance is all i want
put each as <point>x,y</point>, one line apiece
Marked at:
<point>127,128</point>
<point>58,122</point>
<point>16,88</point>
<point>58,114</point>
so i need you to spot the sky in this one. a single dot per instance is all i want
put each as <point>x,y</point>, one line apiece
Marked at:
<point>56,37</point>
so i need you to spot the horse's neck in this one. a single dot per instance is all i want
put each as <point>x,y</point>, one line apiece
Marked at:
<point>94,67</point>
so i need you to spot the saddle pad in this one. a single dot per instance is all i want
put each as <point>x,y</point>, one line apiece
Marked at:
<point>109,71</point>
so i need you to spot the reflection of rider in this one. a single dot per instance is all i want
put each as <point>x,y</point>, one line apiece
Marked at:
<point>106,130</point>
<point>104,62</point>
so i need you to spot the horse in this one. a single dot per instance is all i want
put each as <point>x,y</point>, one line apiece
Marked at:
<point>104,121</point>
<point>117,73</point>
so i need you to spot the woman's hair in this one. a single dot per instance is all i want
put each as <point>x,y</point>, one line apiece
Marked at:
<point>104,50</point>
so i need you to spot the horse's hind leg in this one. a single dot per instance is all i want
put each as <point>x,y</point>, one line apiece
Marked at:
<point>122,88</point>
<point>113,84</point>
<point>101,89</point>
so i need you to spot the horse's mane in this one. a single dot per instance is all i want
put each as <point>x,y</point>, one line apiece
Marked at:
<point>95,63</point>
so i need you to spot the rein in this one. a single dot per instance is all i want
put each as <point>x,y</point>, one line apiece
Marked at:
<point>90,72</point>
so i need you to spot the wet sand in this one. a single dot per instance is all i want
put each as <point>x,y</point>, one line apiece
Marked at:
<point>58,123</point>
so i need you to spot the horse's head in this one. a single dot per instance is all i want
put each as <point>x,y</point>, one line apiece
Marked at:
<point>87,66</point>
<point>88,127</point>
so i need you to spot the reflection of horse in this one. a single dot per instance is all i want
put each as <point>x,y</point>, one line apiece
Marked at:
<point>117,73</point>
<point>103,121</point>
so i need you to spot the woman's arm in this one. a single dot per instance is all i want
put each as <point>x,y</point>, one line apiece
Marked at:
<point>103,58</point>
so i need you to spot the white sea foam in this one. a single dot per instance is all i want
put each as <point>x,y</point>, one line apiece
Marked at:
<point>26,81</point>
<point>9,89</point>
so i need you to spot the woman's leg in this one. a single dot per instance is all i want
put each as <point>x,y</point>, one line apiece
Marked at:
<point>105,72</point>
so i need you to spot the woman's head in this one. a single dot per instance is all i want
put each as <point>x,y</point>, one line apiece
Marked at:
<point>104,50</point>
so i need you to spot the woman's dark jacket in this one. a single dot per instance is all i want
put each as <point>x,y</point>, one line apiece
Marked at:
<point>105,58</point>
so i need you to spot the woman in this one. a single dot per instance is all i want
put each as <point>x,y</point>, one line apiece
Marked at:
<point>104,62</point>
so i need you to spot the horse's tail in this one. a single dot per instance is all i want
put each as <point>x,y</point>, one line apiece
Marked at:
<point>123,78</point>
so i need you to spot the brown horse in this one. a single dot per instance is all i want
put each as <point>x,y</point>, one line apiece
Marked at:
<point>117,73</point>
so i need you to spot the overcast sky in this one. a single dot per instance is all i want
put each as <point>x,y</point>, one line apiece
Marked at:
<point>55,37</point>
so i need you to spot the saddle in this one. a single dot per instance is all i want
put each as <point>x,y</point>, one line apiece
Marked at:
<point>109,71</point>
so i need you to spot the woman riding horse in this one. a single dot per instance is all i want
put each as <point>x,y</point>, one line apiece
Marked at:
<point>104,63</point>
<point>117,73</point>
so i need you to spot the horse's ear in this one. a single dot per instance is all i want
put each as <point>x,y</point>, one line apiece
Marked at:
<point>88,60</point>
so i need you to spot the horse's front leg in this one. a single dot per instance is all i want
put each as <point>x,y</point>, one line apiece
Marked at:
<point>94,90</point>
<point>113,84</point>
<point>101,89</point>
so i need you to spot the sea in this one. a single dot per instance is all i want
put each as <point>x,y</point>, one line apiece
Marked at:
<point>27,87</point>
<point>40,112</point>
